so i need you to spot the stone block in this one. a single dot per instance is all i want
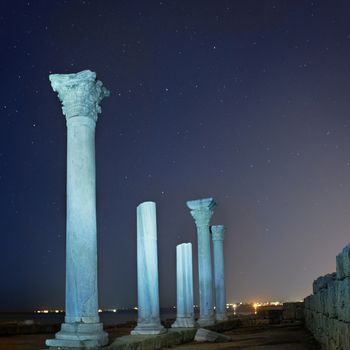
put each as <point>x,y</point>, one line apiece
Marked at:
<point>343,340</point>
<point>323,301</point>
<point>85,335</point>
<point>343,263</point>
<point>309,303</point>
<point>343,300</point>
<point>204,335</point>
<point>334,331</point>
<point>152,342</point>
<point>317,302</point>
<point>322,282</point>
<point>331,301</point>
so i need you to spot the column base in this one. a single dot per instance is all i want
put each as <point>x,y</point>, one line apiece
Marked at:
<point>184,322</point>
<point>148,328</point>
<point>206,321</point>
<point>221,317</point>
<point>80,336</point>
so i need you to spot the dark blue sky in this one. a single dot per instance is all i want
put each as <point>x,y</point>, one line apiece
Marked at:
<point>246,101</point>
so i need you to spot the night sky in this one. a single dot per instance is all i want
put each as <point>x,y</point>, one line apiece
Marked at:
<point>245,101</point>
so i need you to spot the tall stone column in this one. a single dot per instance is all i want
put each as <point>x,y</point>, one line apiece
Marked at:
<point>202,211</point>
<point>80,95</point>
<point>147,271</point>
<point>217,233</point>
<point>184,287</point>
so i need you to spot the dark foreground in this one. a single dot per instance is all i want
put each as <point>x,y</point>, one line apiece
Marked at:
<point>37,341</point>
<point>267,337</point>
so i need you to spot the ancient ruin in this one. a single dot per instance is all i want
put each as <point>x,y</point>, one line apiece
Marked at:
<point>80,95</point>
<point>147,271</point>
<point>202,211</point>
<point>184,287</point>
<point>327,310</point>
<point>217,233</point>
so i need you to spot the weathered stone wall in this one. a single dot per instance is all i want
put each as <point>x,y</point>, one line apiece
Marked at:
<point>327,310</point>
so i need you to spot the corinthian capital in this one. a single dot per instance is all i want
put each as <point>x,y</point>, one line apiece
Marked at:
<point>218,232</point>
<point>80,93</point>
<point>202,210</point>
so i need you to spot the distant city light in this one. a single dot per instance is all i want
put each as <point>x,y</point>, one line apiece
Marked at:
<point>235,306</point>
<point>48,311</point>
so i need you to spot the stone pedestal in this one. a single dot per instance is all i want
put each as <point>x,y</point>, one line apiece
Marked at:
<point>202,211</point>
<point>147,271</point>
<point>80,95</point>
<point>184,287</point>
<point>218,232</point>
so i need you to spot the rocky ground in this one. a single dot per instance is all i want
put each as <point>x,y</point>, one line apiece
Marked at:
<point>265,337</point>
<point>37,341</point>
<point>269,337</point>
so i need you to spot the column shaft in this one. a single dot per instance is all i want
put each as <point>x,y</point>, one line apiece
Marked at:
<point>202,210</point>
<point>80,95</point>
<point>147,271</point>
<point>206,302</point>
<point>81,252</point>
<point>219,271</point>
<point>184,286</point>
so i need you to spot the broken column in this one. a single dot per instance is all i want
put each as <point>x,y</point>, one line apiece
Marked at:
<point>147,271</point>
<point>184,287</point>
<point>202,211</point>
<point>80,95</point>
<point>217,233</point>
